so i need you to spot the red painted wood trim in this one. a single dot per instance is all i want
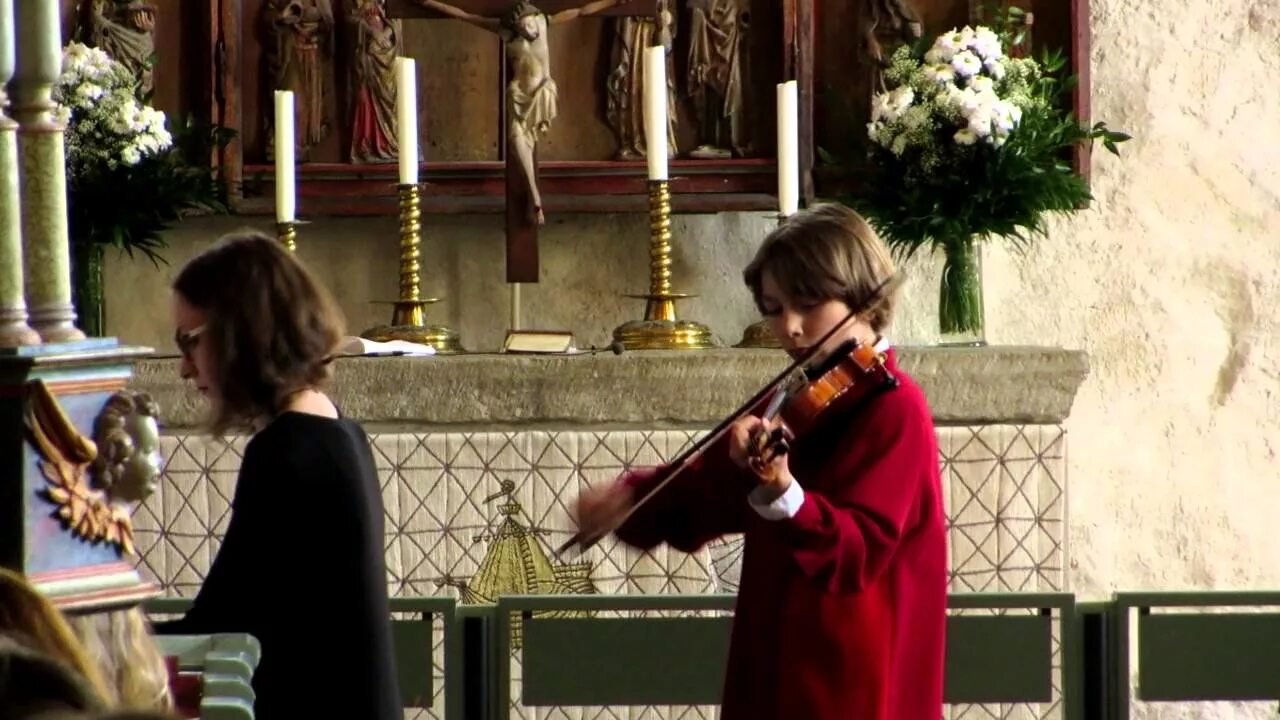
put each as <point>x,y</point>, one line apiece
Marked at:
<point>495,167</point>
<point>81,572</point>
<point>455,204</point>
<point>68,387</point>
<point>805,32</point>
<point>121,595</point>
<point>495,8</point>
<point>1080,66</point>
<point>594,186</point>
<point>106,598</point>
<point>230,112</point>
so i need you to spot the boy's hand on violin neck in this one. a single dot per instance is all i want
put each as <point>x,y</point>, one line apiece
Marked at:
<point>754,446</point>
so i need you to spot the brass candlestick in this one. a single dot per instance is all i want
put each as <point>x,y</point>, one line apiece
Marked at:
<point>408,315</point>
<point>660,329</point>
<point>758,334</point>
<point>287,234</point>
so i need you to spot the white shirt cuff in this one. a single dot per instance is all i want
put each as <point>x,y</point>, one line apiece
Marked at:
<point>784,507</point>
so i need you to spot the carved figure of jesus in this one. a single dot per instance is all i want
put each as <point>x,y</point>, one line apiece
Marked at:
<point>532,99</point>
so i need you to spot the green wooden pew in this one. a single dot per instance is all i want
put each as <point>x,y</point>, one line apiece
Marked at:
<point>226,662</point>
<point>1193,647</point>
<point>654,659</point>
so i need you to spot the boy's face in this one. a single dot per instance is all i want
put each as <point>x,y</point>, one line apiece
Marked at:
<point>799,324</point>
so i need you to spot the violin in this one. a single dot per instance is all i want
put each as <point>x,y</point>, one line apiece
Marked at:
<point>803,392</point>
<point>803,399</point>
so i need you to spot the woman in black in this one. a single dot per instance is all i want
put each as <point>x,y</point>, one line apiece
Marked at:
<point>301,566</point>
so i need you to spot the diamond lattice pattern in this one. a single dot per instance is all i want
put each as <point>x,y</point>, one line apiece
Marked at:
<point>447,495</point>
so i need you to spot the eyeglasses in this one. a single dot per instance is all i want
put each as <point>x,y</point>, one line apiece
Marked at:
<point>187,340</point>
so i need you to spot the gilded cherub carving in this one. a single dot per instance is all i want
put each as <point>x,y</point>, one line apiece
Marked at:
<point>127,434</point>
<point>65,456</point>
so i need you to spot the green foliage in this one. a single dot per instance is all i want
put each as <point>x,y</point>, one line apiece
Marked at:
<point>131,171</point>
<point>128,207</point>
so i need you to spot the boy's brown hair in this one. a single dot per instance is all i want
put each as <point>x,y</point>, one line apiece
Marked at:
<point>272,326</point>
<point>827,252</point>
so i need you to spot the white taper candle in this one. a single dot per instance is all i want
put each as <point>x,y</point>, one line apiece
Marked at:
<point>407,118</point>
<point>788,148</point>
<point>286,192</point>
<point>655,110</point>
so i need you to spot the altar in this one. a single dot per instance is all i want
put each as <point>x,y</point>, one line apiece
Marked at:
<point>481,455</point>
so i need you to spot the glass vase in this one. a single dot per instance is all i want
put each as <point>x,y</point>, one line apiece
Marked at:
<point>961,315</point>
<point>87,292</point>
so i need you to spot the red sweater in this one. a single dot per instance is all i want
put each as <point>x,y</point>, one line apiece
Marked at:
<point>841,610</point>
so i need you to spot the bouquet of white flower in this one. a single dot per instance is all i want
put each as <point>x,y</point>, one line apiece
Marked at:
<point>129,174</point>
<point>964,90</point>
<point>968,142</point>
<point>107,126</point>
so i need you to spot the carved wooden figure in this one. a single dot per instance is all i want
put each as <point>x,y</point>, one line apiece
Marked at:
<point>300,59</point>
<point>532,99</point>
<point>375,45</point>
<point>717,40</point>
<point>625,82</point>
<point>886,24</point>
<point>125,30</point>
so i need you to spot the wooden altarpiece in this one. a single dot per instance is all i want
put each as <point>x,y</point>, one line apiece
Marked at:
<point>460,104</point>
<point>816,42</point>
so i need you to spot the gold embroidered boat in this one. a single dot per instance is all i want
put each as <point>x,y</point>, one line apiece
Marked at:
<point>518,563</point>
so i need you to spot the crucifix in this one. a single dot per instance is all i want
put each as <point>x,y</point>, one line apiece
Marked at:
<point>529,97</point>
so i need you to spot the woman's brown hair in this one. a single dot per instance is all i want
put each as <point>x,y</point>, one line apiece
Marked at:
<point>271,326</point>
<point>827,252</point>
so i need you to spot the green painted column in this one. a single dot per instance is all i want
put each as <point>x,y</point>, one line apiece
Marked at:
<point>43,181</point>
<point>14,330</point>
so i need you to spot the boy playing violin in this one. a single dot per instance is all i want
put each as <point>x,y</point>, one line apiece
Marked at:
<point>841,611</point>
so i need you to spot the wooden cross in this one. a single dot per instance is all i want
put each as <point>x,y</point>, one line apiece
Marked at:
<point>522,233</point>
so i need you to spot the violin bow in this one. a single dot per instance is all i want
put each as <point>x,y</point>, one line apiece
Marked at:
<point>585,540</point>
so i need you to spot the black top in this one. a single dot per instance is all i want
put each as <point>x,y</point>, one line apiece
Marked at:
<point>302,569</point>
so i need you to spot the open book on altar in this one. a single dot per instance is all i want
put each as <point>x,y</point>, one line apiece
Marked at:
<point>352,345</point>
